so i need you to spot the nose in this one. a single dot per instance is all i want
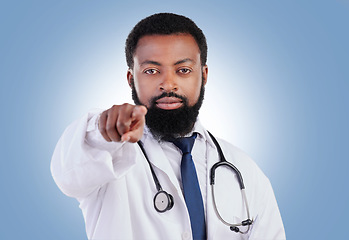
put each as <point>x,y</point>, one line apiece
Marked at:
<point>168,83</point>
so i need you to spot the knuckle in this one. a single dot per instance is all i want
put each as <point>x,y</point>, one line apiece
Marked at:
<point>126,104</point>
<point>120,125</point>
<point>114,108</point>
<point>122,106</point>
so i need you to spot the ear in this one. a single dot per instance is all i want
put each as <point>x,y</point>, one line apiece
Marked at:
<point>129,77</point>
<point>204,74</point>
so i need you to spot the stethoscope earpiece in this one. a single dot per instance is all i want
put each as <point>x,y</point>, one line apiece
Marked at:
<point>163,201</point>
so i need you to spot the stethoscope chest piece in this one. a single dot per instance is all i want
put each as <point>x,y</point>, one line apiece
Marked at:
<point>163,201</point>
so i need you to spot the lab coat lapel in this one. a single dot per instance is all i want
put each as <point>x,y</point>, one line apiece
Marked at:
<point>211,217</point>
<point>159,160</point>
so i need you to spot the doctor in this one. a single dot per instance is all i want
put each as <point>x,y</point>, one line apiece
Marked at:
<point>98,161</point>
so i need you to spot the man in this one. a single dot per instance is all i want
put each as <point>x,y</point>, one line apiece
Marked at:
<point>145,191</point>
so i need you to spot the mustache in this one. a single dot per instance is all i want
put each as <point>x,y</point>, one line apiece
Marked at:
<point>168,94</point>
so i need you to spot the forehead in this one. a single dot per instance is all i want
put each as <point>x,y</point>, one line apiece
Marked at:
<point>167,48</point>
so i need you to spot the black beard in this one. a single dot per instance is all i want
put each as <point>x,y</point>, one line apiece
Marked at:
<point>166,124</point>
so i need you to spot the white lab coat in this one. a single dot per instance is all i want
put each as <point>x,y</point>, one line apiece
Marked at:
<point>115,188</point>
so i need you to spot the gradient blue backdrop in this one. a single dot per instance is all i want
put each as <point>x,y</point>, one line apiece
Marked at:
<point>278,88</point>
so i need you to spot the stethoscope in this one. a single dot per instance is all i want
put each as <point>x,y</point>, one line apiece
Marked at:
<point>163,201</point>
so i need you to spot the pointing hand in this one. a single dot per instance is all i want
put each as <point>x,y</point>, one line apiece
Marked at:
<point>122,123</point>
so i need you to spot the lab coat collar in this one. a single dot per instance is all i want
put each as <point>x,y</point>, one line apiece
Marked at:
<point>198,128</point>
<point>158,158</point>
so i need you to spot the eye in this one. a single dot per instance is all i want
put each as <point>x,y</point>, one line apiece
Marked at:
<point>184,70</point>
<point>151,71</point>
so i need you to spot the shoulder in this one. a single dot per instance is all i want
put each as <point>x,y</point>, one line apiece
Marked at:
<point>246,165</point>
<point>235,155</point>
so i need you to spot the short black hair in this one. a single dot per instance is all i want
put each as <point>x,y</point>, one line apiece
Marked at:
<point>164,24</point>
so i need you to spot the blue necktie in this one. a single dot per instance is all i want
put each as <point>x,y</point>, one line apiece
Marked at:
<point>191,188</point>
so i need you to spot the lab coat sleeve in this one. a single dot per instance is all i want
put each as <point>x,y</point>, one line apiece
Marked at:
<point>83,161</point>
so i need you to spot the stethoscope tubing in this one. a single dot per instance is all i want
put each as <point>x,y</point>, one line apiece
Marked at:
<point>233,226</point>
<point>156,180</point>
<point>224,162</point>
<point>166,202</point>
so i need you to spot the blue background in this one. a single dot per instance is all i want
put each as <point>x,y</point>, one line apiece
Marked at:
<point>277,88</point>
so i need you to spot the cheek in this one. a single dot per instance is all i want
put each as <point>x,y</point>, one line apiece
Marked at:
<point>194,96</point>
<point>193,93</point>
<point>144,92</point>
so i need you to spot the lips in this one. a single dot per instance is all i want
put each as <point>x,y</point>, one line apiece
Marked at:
<point>169,103</point>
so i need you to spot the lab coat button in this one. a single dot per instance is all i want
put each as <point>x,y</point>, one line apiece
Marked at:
<point>186,235</point>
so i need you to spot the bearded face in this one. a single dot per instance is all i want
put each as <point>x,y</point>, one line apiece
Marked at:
<point>170,123</point>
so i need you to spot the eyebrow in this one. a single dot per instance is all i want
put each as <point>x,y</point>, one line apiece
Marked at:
<point>150,62</point>
<point>159,64</point>
<point>184,61</point>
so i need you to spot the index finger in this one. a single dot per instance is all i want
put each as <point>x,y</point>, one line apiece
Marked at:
<point>139,112</point>
<point>137,125</point>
